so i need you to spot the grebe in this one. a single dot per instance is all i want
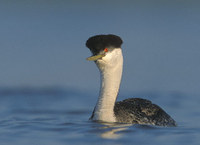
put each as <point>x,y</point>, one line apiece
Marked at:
<point>107,54</point>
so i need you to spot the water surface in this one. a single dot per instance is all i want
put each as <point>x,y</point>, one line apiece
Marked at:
<point>60,116</point>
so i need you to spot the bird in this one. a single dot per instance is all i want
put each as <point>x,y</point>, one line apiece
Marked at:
<point>107,54</point>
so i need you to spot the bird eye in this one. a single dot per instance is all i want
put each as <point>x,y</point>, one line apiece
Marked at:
<point>106,50</point>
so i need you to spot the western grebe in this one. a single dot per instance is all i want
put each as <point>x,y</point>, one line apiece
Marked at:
<point>107,54</point>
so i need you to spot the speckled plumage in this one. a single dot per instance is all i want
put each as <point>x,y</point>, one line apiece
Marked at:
<point>141,111</point>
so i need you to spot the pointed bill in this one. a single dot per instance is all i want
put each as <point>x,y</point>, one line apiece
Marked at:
<point>95,57</point>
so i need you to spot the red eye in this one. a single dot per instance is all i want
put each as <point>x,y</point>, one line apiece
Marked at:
<point>106,50</point>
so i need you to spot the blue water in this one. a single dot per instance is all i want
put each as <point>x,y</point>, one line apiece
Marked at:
<point>60,116</point>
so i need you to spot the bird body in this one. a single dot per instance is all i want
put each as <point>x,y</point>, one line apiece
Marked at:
<point>141,111</point>
<point>107,55</point>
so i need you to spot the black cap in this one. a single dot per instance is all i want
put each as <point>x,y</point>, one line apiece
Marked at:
<point>100,42</point>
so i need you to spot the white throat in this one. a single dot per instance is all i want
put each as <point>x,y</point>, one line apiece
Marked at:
<point>110,67</point>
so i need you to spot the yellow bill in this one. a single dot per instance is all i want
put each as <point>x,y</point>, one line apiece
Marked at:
<point>95,57</point>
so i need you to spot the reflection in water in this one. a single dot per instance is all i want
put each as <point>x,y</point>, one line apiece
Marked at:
<point>113,131</point>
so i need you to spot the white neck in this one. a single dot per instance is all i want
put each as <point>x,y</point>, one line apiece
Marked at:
<point>110,68</point>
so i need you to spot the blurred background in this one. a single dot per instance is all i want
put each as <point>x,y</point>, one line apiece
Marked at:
<point>42,43</point>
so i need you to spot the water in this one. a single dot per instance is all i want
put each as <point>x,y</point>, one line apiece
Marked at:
<point>60,116</point>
